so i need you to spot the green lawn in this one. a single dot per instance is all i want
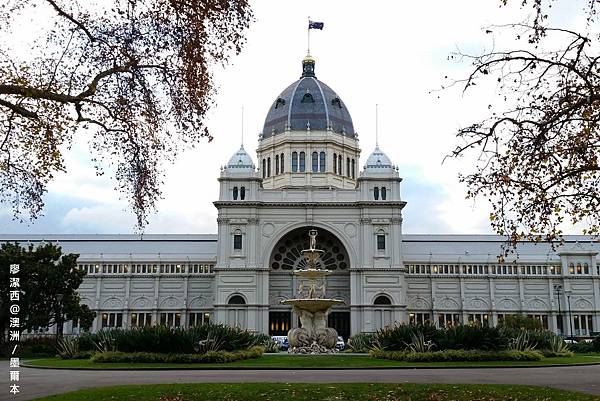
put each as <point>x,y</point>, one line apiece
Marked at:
<point>312,392</point>
<point>310,361</point>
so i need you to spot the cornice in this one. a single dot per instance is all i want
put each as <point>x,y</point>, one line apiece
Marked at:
<point>261,204</point>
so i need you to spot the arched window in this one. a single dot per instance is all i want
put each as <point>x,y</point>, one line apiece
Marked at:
<point>235,193</point>
<point>302,162</point>
<point>268,166</point>
<point>382,300</point>
<point>383,193</point>
<point>571,268</point>
<point>276,164</point>
<point>294,162</point>
<point>237,300</point>
<point>282,163</point>
<point>586,268</point>
<point>335,163</point>
<point>307,98</point>
<point>322,162</point>
<point>353,168</point>
<point>340,165</point>
<point>315,162</point>
<point>243,193</point>
<point>348,166</point>
<point>376,193</point>
<point>264,172</point>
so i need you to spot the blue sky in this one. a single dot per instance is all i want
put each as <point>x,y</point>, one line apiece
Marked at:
<point>390,53</point>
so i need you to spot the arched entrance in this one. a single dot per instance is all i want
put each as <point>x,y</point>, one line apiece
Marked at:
<point>286,256</point>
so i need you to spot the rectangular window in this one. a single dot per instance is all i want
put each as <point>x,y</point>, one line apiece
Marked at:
<point>237,242</point>
<point>199,318</point>
<point>170,319</point>
<point>141,319</point>
<point>112,320</point>
<point>294,162</point>
<point>448,319</point>
<point>479,319</point>
<point>418,318</point>
<point>380,242</point>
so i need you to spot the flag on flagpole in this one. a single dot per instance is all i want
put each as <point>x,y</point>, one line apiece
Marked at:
<point>315,25</point>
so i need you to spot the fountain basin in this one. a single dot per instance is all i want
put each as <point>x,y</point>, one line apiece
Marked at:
<point>313,304</point>
<point>312,274</point>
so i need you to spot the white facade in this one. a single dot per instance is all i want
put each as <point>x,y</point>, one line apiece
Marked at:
<point>308,177</point>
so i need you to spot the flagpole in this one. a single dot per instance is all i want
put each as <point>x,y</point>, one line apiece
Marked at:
<point>308,36</point>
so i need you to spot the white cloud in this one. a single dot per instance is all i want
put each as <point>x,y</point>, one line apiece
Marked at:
<point>390,53</point>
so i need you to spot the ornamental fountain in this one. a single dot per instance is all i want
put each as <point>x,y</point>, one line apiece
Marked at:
<point>313,336</point>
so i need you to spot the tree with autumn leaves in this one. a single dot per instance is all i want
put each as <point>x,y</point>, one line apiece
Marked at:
<point>538,154</point>
<point>133,75</point>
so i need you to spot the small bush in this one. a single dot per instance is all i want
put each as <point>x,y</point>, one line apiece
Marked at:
<point>396,337</point>
<point>596,344</point>
<point>67,347</point>
<point>522,342</point>
<point>557,346</point>
<point>419,344</point>
<point>362,342</point>
<point>556,354</point>
<point>582,347</point>
<point>171,340</point>
<point>521,322</point>
<point>471,336</point>
<point>153,357</point>
<point>42,346</point>
<point>459,356</point>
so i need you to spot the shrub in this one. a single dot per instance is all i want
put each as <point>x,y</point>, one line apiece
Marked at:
<point>42,346</point>
<point>67,347</point>
<point>419,344</point>
<point>105,341</point>
<point>554,354</point>
<point>164,339</point>
<point>521,322</point>
<point>459,356</point>
<point>397,337</point>
<point>582,347</point>
<point>362,342</point>
<point>596,344</point>
<point>153,357</point>
<point>471,337</point>
<point>522,342</point>
<point>557,346</point>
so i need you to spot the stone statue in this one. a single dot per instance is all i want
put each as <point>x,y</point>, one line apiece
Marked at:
<point>313,239</point>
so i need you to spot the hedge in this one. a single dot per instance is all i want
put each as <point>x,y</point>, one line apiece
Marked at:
<point>153,357</point>
<point>170,340</point>
<point>458,356</point>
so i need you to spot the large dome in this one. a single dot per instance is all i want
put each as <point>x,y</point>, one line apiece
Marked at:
<point>308,103</point>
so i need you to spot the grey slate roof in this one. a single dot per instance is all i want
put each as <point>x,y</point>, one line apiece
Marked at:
<point>324,110</point>
<point>203,247</point>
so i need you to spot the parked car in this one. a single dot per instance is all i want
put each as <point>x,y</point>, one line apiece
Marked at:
<point>570,341</point>
<point>340,345</point>
<point>282,341</point>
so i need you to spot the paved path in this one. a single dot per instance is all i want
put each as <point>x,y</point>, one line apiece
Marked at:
<point>40,382</point>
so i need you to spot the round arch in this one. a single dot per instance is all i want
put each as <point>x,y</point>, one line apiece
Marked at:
<point>268,249</point>
<point>236,299</point>
<point>382,300</point>
<point>287,252</point>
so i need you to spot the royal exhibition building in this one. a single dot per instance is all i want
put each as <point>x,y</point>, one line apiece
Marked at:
<point>308,177</point>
